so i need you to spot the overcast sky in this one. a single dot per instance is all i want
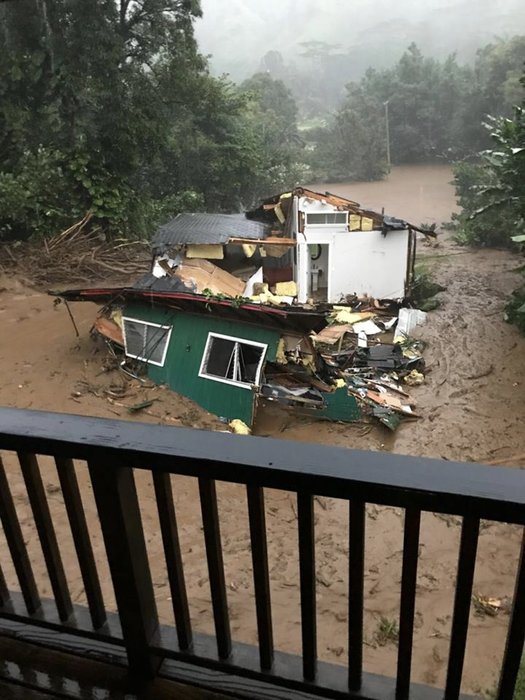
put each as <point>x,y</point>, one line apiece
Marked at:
<point>237,33</point>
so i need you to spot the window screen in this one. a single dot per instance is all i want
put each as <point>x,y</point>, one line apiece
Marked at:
<point>232,360</point>
<point>324,219</point>
<point>146,341</point>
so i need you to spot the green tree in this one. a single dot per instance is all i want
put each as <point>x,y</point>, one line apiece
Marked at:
<point>492,197</point>
<point>436,109</point>
<point>133,130</point>
<point>271,128</point>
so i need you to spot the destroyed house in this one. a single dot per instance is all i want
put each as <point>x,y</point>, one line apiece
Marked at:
<point>226,357</point>
<point>342,249</point>
<point>299,246</point>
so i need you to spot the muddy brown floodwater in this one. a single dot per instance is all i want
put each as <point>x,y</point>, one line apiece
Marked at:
<point>471,407</point>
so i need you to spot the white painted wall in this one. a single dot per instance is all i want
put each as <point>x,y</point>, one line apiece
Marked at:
<point>302,272</point>
<point>366,262</point>
<point>360,262</point>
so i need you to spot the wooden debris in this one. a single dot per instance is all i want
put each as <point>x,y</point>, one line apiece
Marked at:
<point>80,253</point>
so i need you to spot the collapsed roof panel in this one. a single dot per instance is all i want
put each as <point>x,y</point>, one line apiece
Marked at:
<point>207,228</point>
<point>192,276</point>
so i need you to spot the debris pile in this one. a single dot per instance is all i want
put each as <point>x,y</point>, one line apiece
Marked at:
<point>80,253</point>
<point>232,302</point>
<point>376,356</point>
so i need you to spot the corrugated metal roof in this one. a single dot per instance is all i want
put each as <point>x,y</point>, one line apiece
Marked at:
<point>207,228</point>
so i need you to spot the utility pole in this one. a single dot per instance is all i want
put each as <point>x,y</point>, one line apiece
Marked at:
<point>389,163</point>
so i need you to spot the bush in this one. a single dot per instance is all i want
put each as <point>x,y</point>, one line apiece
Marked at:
<point>476,225</point>
<point>424,291</point>
<point>36,197</point>
<point>515,313</point>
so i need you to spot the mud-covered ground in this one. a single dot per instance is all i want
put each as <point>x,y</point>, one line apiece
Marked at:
<point>471,407</point>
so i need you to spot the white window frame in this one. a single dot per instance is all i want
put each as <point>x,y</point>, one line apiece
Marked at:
<point>225,380</point>
<point>327,225</point>
<point>146,323</point>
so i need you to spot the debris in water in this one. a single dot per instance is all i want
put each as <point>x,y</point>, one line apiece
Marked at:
<point>239,428</point>
<point>139,406</point>
<point>487,606</point>
<point>408,319</point>
<point>415,378</point>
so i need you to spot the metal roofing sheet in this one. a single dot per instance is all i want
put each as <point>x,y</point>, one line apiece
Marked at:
<point>207,228</point>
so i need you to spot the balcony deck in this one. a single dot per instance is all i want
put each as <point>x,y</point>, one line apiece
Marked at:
<point>55,648</point>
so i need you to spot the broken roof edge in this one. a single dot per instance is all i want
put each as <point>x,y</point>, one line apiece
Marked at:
<point>97,294</point>
<point>284,319</point>
<point>381,220</point>
<point>204,228</point>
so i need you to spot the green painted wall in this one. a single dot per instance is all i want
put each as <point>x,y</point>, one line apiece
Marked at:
<point>341,406</point>
<point>184,356</point>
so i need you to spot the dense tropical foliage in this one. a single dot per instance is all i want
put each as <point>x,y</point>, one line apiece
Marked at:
<point>435,110</point>
<point>491,193</point>
<point>108,106</point>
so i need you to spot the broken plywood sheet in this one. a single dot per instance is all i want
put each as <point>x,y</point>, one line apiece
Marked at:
<point>203,274</point>
<point>331,334</point>
<point>109,329</point>
<point>275,251</point>
<point>393,402</point>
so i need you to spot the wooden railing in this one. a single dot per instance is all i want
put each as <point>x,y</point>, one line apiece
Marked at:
<point>113,449</point>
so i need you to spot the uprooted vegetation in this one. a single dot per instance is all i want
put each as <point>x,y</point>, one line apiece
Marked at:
<point>81,253</point>
<point>425,290</point>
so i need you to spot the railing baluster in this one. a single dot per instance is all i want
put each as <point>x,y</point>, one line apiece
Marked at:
<point>516,634</point>
<point>121,524</point>
<point>466,564</point>
<point>17,548</point>
<point>5,598</point>
<point>408,601</point>
<point>305,516</point>
<point>261,574</point>
<point>81,539</point>
<point>212,537</point>
<point>356,580</point>
<point>170,539</point>
<point>46,533</point>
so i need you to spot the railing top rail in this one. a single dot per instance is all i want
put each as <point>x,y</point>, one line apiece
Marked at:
<point>494,493</point>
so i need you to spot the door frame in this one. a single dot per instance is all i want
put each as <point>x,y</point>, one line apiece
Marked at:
<point>329,244</point>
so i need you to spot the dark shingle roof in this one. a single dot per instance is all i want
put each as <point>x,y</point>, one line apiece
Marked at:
<point>207,228</point>
<point>161,284</point>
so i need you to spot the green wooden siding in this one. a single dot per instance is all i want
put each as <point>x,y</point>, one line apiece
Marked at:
<point>340,406</point>
<point>184,356</point>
